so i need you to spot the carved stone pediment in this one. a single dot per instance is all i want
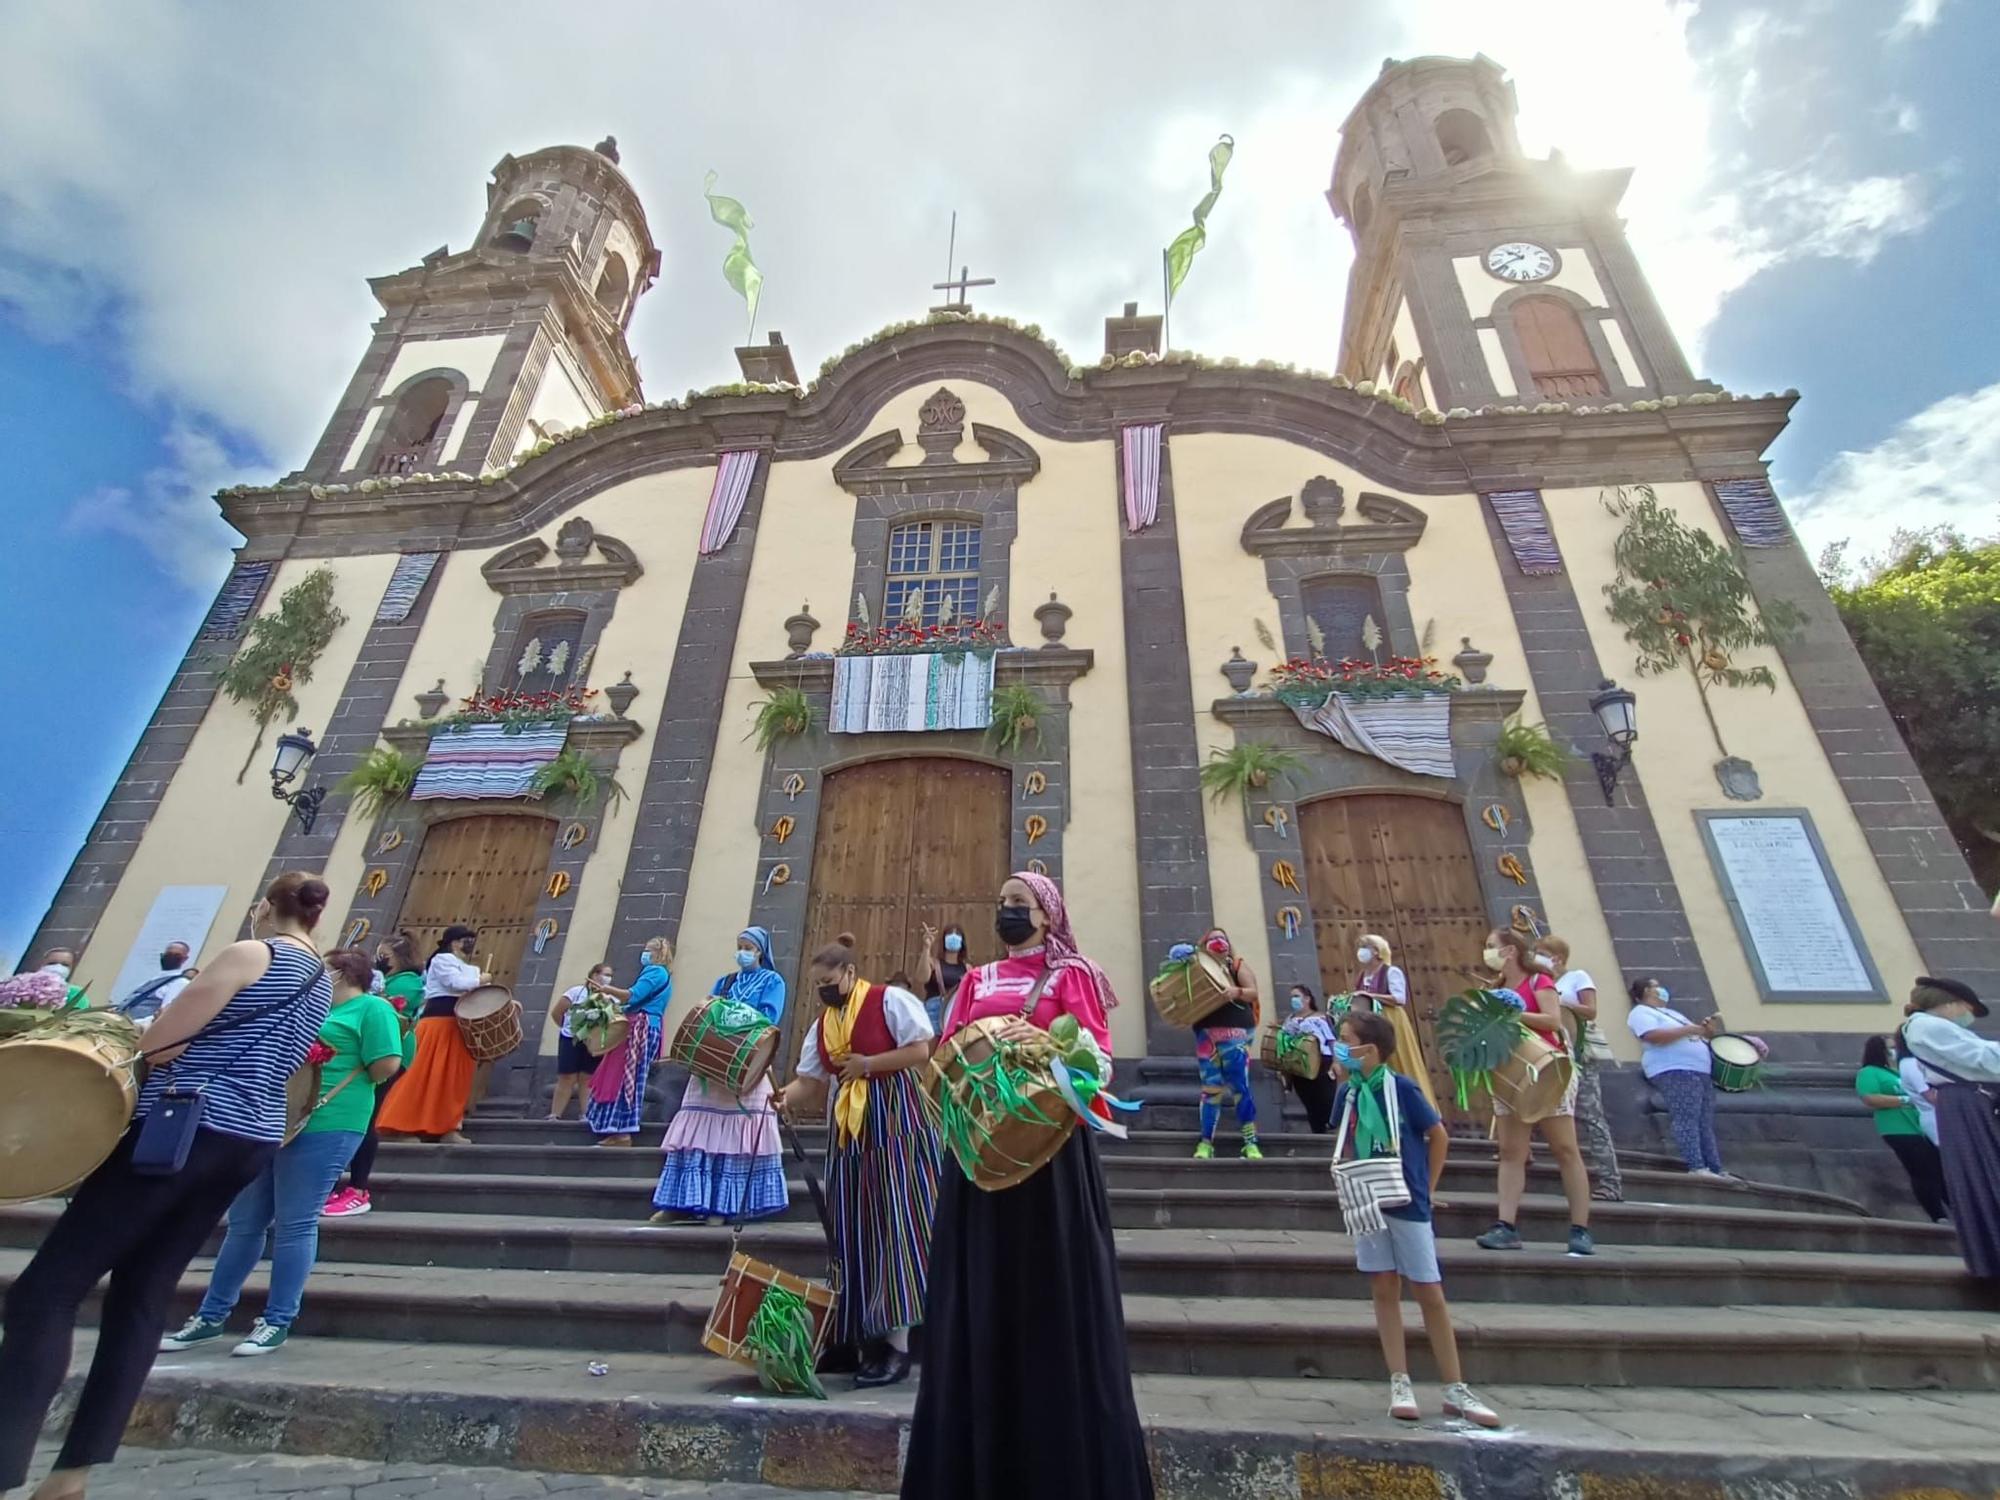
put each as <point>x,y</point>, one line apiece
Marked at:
<point>584,558</point>
<point>1009,461</point>
<point>1386,524</point>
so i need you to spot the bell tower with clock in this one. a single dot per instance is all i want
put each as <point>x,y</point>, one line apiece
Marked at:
<point>1482,277</point>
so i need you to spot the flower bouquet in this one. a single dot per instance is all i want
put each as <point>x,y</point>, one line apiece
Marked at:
<point>1307,681</point>
<point>598,1021</point>
<point>27,1000</point>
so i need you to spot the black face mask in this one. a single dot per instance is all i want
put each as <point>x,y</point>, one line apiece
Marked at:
<point>381,965</point>
<point>172,961</point>
<point>829,994</point>
<point>1014,925</point>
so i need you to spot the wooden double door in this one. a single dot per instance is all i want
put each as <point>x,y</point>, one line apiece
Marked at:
<point>1400,867</point>
<point>486,872</point>
<point>903,844</point>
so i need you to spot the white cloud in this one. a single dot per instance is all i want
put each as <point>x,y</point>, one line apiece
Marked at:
<point>1917,16</point>
<point>172,511</point>
<point>1936,469</point>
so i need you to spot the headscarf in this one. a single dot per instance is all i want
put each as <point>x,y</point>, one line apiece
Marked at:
<point>763,987</point>
<point>1059,941</point>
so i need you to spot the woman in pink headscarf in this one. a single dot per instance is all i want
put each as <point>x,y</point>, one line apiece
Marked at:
<point>1026,1388</point>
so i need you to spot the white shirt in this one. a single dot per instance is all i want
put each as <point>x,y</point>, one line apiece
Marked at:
<point>448,974</point>
<point>1399,987</point>
<point>1688,1055</point>
<point>1571,983</point>
<point>170,991</point>
<point>1315,1025</point>
<point>1910,1073</point>
<point>576,995</point>
<point>1963,1052</point>
<point>908,1022</point>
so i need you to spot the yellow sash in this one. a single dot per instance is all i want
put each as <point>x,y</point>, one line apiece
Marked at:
<point>850,1101</point>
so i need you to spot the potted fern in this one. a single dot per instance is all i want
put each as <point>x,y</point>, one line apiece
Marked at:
<point>381,781</point>
<point>1250,766</point>
<point>785,715</point>
<point>1016,715</point>
<point>1529,750</point>
<point>571,778</point>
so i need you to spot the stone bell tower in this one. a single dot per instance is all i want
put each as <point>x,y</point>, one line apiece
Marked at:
<point>1482,276</point>
<point>481,353</point>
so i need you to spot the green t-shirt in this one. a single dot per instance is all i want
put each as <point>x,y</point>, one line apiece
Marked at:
<point>407,987</point>
<point>1902,1121</point>
<point>362,1031</point>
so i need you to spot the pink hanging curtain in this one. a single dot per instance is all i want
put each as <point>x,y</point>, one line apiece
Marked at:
<point>725,501</point>
<point>1142,474</point>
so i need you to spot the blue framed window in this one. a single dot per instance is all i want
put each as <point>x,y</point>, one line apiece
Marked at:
<point>936,562</point>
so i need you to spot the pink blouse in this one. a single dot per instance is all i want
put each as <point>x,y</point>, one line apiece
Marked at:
<point>1002,989</point>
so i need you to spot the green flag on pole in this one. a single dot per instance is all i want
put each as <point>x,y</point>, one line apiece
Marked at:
<point>1180,254</point>
<point>738,269</point>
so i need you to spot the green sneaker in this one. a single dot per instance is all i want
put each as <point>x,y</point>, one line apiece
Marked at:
<point>1205,1151</point>
<point>1251,1152</point>
<point>197,1330</point>
<point>265,1338</point>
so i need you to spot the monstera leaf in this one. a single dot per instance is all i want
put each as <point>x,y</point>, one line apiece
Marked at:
<point>1476,1032</point>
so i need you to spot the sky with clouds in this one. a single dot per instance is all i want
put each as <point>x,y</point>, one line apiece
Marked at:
<point>192,196</point>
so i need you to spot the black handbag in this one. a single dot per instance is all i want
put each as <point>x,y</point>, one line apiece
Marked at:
<point>166,1135</point>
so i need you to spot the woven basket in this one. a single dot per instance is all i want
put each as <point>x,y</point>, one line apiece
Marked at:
<point>1186,996</point>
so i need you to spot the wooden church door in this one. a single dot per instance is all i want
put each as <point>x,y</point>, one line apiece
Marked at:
<point>487,872</point>
<point>902,844</point>
<point>1400,867</point>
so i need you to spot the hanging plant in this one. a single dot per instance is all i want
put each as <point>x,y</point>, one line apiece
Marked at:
<point>571,778</point>
<point>785,715</point>
<point>1250,766</point>
<point>1685,604</point>
<point>382,780</point>
<point>283,646</point>
<point>1017,715</point>
<point>1529,750</point>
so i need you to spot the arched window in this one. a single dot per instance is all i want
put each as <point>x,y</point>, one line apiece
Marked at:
<point>517,226</point>
<point>1363,209</point>
<point>546,651</point>
<point>613,286</point>
<point>1341,607</point>
<point>411,431</point>
<point>1558,354</point>
<point>1462,136</point>
<point>934,571</point>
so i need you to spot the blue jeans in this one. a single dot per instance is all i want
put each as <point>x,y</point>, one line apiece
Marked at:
<point>284,1201</point>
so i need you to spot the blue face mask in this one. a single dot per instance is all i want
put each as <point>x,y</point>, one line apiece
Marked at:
<point>1298,1002</point>
<point>953,943</point>
<point>745,959</point>
<point>1966,1019</point>
<point>645,957</point>
<point>1664,993</point>
<point>1343,1054</point>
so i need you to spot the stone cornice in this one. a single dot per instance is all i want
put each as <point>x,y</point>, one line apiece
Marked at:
<point>1049,666</point>
<point>593,736</point>
<point>1387,525</point>
<point>516,570</point>
<point>1474,705</point>
<point>864,469</point>
<point>1695,438</point>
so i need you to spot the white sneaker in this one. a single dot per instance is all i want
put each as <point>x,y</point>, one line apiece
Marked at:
<point>1403,1399</point>
<point>1706,1175</point>
<point>265,1338</point>
<point>1462,1401</point>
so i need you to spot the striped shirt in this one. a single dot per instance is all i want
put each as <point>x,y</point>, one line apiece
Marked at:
<point>242,1071</point>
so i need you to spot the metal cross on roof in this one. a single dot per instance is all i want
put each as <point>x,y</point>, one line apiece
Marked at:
<point>966,280</point>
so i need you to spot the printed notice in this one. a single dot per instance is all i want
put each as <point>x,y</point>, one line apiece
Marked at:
<point>180,914</point>
<point>1788,909</point>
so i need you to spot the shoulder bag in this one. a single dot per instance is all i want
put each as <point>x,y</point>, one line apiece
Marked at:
<point>1368,1184</point>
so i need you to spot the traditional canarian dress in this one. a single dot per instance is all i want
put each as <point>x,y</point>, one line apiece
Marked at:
<point>1956,1062</point>
<point>1392,991</point>
<point>724,1158</point>
<point>432,1099</point>
<point>1027,1388</point>
<point>618,1084</point>
<point>882,1163</point>
<point>1316,1094</point>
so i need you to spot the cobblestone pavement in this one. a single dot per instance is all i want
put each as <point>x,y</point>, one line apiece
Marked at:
<point>143,1474</point>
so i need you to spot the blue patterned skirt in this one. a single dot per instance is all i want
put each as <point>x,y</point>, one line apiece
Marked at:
<point>723,1155</point>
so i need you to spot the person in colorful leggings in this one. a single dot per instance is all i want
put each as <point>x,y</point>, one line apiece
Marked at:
<point>1222,1042</point>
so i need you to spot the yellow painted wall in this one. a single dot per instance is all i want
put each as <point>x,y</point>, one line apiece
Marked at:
<point>1674,759</point>
<point>209,830</point>
<point>472,355</point>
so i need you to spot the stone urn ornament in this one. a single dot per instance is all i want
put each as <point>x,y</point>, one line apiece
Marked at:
<point>799,631</point>
<point>1240,671</point>
<point>1053,617</point>
<point>621,693</point>
<point>1472,663</point>
<point>430,704</point>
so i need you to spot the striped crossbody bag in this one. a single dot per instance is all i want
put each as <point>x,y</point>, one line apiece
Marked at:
<point>1368,1184</point>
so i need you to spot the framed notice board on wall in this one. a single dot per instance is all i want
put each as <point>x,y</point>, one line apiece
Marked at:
<point>1796,927</point>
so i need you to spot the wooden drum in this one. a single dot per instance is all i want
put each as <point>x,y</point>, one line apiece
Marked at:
<point>1186,993</point>
<point>66,1096</point>
<point>1533,1081</point>
<point>743,1287</point>
<point>1293,1053</point>
<point>997,1147</point>
<point>726,1043</point>
<point>489,1022</point>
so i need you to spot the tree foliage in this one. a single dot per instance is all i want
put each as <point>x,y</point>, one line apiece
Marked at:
<point>283,647</point>
<point>1927,621</point>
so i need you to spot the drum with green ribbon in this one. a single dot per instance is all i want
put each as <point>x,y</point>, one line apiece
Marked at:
<point>1188,989</point>
<point>726,1043</point>
<point>1735,1062</point>
<point>1294,1053</point>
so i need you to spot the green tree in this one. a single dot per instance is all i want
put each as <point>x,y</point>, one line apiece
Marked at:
<point>1927,621</point>
<point>283,647</point>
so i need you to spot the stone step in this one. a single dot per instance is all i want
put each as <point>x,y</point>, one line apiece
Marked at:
<point>581,1162</point>
<point>697,1418</point>
<point>1216,1337</point>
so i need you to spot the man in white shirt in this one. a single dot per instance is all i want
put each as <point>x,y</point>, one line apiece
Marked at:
<point>147,1001</point>
<point>1578,993</point>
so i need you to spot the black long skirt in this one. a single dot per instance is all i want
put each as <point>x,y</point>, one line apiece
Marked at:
<point>1026,1389</point>
<point>1969,1140</point>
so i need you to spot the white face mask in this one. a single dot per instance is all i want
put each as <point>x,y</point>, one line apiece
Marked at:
<point>1545,963</point>
<point>61,971</point>
<point>1491,958</point>
<point>1364,955</point>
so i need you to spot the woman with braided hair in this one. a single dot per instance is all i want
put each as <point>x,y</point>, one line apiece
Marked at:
<point>1026,1388</point>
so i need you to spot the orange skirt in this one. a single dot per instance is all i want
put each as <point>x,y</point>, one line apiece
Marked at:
<point>433,1098</point>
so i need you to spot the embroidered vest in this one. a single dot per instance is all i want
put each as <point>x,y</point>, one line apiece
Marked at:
<point>869,1034</point>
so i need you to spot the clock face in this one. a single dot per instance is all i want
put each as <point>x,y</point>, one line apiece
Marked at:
<point>1519,260</point>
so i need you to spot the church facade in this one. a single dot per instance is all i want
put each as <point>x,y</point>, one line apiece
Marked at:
<point>1145,563</point>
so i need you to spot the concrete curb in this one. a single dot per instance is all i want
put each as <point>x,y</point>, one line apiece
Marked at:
<point>840,1447</point>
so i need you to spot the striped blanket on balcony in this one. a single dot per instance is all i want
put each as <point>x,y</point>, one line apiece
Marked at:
<point>1412,733</point>
<point>911,694</point>
<point>483,760</point>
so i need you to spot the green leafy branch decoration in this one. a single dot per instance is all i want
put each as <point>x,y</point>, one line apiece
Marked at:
<point>283,647</point>
<point>1685,603</point>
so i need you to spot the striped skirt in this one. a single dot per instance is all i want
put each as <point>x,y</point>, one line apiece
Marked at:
<point>882,1193</point>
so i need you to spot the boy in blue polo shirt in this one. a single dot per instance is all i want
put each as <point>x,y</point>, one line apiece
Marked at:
<point>1405,1249</point>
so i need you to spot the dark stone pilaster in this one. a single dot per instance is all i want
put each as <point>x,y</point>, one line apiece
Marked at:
<point>100,864</point>
<point>1171,839</point>
<point>1628,862</point>
<point>1945,910</point>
